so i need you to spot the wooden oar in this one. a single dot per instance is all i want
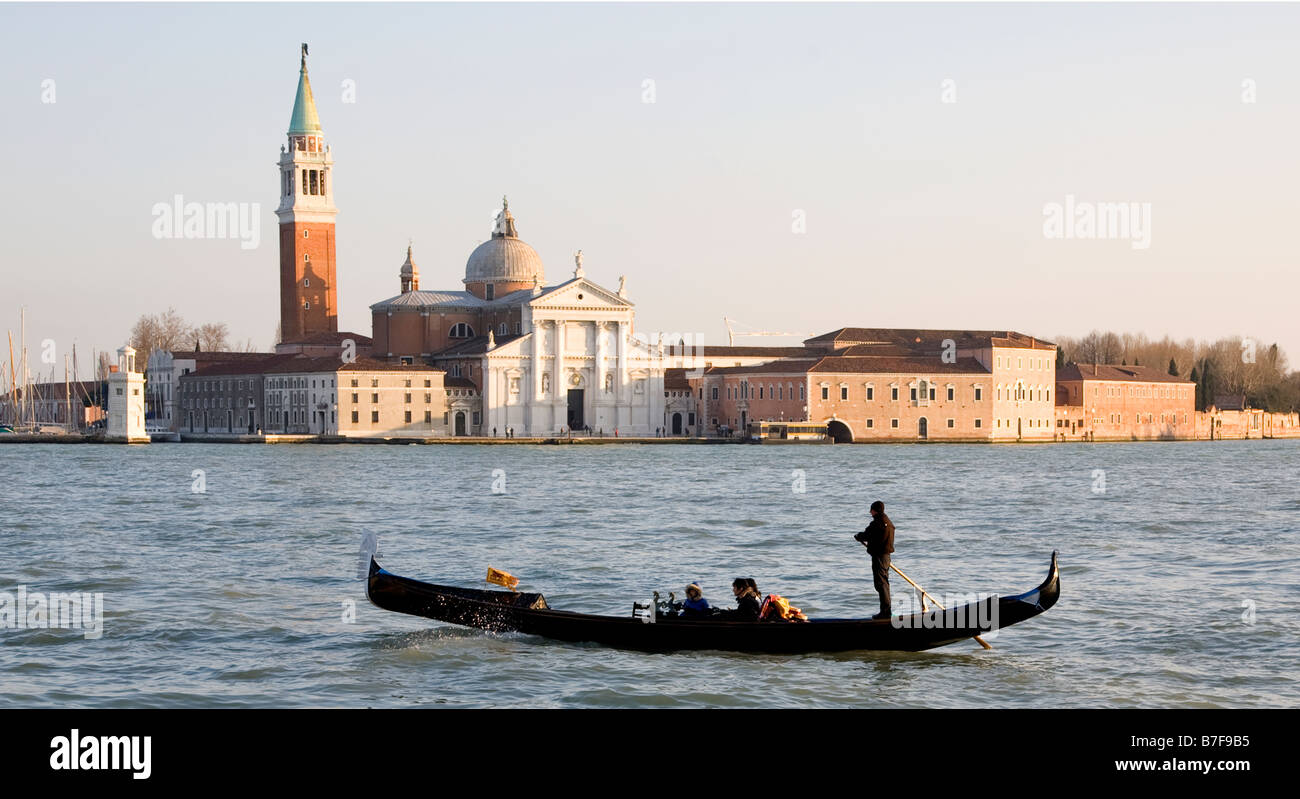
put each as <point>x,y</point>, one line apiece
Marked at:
<point>981,641</point>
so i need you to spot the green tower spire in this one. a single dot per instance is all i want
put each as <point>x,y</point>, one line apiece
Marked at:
<point>304,119</point>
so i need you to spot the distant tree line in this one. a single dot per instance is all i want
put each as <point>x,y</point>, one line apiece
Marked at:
<point>169,331</point>
<point>1230,366</point>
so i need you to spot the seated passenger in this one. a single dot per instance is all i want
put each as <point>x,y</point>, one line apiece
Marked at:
<point>695,606</point>
<point>747,603</point>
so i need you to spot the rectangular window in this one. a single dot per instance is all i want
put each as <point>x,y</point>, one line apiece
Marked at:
<point>871,423</point>
<point>428,417</point>
<point>844,392</point>
<point>952,423</point>
<point>979,423</point>
<point>374,397</point>
<point>979,393</point>
<point>932,395</point>
<point>374,417</point>
<point>428,397</point>
<point>871,393</point>
<point>893,393</point>
<point>826,393</point>
<point>304,181</point>
<point>715,392</point>
<point>356,417</point>
<point>475,418</point>
<point>315,184</point>
<point>893,423</point>
<point>354,396</point>
<point>951,393</point>
<point>354,382</point>
<point>913,394</point>
<point>408,398</point>
<point>408,417</point>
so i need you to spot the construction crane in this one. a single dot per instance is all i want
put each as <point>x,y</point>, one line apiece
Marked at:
<point>731,333</point>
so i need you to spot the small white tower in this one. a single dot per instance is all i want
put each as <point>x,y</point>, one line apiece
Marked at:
<point>126,401</point>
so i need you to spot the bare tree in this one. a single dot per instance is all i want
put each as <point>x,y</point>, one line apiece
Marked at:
<point>213,337</point>
<point>164,331</point>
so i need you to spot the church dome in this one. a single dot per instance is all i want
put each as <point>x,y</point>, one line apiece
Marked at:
<point>504,258</point>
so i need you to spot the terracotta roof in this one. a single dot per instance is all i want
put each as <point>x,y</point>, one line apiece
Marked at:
<point>1111,372</point>
<point>473,346</point>
<point>330,338</point>
<point>251,366</point>
<point>926,339</point>
<point>675,380</point>
<point>1230,402</point>
<point>898,365</point>
<point>198,356</point>
<point>783,366</point>
<point>55,391</point>
<point>294,364</point>
<point>708,351</point>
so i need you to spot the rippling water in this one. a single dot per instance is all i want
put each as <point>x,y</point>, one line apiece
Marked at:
<point>237,596</point>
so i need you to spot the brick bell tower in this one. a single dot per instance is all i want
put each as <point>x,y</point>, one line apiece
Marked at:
<point>308,293</point>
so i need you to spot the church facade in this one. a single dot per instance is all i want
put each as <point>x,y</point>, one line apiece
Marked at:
<point>541,358</point>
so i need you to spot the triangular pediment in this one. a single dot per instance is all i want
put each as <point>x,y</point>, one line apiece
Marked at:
<point>580,293</point>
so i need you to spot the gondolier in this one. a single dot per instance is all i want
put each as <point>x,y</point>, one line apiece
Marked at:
<point>879,538</point>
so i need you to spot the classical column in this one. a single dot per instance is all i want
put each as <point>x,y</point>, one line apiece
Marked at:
<point>557,377</point>
<point>536,376</point>
<point>620,380</point>
<point>599,371</point>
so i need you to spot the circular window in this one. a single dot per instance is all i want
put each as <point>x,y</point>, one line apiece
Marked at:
<point>579,296</point>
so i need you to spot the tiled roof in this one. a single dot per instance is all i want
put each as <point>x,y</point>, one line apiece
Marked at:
<point>330,338</point>
<point>1136,374</point>
<point>462,299</point>
<point>1230,402</point>
<point>783,366</point>
<point>420,299</point>
<point>472,346</point>
<point>675,380</point>
<point>458,382</point>
<point>252,366</point>
<point>894,365</point>
<point>708,351</point>
<point>926,339</point>
<point>210,357</point>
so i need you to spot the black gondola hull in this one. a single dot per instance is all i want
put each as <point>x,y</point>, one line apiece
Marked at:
<point>504,611</point>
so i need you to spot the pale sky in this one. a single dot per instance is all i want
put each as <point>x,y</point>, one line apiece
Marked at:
<point>919,212</point>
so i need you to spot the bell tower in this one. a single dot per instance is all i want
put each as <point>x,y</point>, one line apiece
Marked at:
<point>308,290</point>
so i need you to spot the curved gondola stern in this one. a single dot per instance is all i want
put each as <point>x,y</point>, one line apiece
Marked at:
<point>1031,603</point>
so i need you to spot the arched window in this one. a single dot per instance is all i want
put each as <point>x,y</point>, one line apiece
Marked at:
<point>502,329</point>
<point>461,330</point>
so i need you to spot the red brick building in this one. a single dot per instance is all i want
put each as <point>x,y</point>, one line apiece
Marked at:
<point>1101,402</point>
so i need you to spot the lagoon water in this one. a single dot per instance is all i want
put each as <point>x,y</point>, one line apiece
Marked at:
<point>1180,571</point>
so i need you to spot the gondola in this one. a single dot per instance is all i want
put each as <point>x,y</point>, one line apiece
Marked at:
<point>653,631</point>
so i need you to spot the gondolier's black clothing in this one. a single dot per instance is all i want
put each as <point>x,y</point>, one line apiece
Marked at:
<point>879,538</point>
<point>880,578</point>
